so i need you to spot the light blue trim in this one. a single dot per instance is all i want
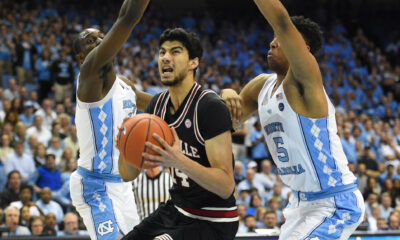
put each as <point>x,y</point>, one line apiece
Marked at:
<point>311,196</point>
<point>101,176</point>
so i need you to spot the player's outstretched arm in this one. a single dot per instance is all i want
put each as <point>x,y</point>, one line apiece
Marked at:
<point>303,64</point>
<point>243,106</point>
<point>130,14</point>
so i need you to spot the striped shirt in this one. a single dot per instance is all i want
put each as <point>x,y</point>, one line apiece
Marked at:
<point>150,192</point>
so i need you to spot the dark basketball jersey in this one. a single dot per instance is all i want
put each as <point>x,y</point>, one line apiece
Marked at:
<point>201,116</point>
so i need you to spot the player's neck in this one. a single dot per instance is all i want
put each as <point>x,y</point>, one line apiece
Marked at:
<point>152,172</point>
<point>179,92</point>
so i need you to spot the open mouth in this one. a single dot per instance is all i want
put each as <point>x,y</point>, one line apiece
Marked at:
<point>166,72</point>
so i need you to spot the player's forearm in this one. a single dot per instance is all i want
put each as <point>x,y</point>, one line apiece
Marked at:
<point>132,10</point>
<point>275,13</point>
<point>142,100</point>
<point>215,180</point>
<point>127,172</point>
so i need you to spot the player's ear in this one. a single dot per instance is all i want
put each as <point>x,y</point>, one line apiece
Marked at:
<point>194,63</point>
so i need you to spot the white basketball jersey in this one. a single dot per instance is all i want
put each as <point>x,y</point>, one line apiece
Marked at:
<point>307,152</point>
<point>96,125</point>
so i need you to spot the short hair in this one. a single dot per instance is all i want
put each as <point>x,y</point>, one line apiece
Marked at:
<point>10,208</point>
<point>12,172</point>
<point>189,39</point>
<point>310,31</point>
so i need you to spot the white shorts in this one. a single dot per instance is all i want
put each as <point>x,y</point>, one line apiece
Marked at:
<point>330,218</point>
<point>108,209</point>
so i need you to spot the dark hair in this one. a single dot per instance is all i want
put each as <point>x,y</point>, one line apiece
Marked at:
<point>11,173</point>
<point>189,40</point>
<point>26,187</point>
<point>310,31</point>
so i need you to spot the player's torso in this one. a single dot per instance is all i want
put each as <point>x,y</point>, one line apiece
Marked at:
<point>97,124</point>
<point>307,152</point>
<point>186,192</point>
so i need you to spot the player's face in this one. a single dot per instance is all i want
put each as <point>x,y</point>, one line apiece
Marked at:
<point>277,60</point>
<point>174,64</point>
<point>90,39</point>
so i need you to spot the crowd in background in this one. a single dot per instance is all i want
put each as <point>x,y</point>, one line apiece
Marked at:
<point>39,147</point>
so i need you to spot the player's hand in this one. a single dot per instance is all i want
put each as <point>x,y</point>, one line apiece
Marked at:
<point>234,103</point>
<point>169,156</point>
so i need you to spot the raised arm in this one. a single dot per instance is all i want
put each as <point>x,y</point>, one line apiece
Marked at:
<point>302,63</point>
<point>130,14</point>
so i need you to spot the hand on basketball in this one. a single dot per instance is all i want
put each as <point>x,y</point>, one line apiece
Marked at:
<point>168,155</point>
<point>233,102</point>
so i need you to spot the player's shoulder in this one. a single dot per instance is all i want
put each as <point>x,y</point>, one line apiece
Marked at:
<point>208,96</point>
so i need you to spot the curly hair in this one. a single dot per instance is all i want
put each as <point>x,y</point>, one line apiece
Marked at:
<point>310,31</point>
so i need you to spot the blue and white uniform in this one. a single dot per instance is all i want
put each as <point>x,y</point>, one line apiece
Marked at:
<point>104,201</point>
<point>325,203</point>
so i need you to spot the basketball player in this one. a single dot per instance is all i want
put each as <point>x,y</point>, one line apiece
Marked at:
<point>202,205</point>
<point>299,126</point>
<point>104,99</point>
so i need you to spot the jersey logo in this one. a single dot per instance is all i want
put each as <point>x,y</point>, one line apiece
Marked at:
<point>279,96</point>
<point>188,123</point>
<point>105,227</point>
<point>129,106</point>
<point>281,106</point>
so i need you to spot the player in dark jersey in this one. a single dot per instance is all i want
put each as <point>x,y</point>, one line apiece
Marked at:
<point>202,204</point>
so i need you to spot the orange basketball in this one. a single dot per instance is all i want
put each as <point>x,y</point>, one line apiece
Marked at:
<point>138,130</point>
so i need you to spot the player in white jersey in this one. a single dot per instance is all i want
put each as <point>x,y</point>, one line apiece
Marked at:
<point>300,130</point>
<point>104,99</point>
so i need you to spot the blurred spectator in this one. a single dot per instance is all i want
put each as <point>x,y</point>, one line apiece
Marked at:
<point>249,182</point>
<point>49,206</point>
<point>43,68</point>
<point>362,177</point>
<point>382,224</point>
<point>394,222</point>
<point>71,227</point>
<point>20,132</point>
<point>51,227</point>
<point>25,216</point>
<point>259,149</point>
<point>349,146</point>
<point>43,134</point>
<point>48,115</point>
<point>36,226</point>
<point>250,224</point>
<point>56,149</point>
<point>270,220</point>
<point>12,222</point>
<point>27,116</point>
<point>255,203</point>
<point>12,92</point>
<point>25,53</point>
<point>370,201</point>
<point>48,175</point>
<point>12,189</point>
<point>238,146</point>
<point>62,76</point>
<point>25,199</point>
<point>373,219</point>
<point>266,177</point>
<point>238,172</point>
<point>372,187</point>
<point>5,148</point>
<point>20,161</point>
<point>386,206</point>
<point>39,155</point>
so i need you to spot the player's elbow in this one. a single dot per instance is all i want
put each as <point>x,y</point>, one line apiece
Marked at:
<point>227,191</point>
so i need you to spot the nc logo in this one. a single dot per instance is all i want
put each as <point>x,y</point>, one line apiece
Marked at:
<point>105,228</point>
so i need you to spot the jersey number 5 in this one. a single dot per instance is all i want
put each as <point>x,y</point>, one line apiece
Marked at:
<point>282,152</point>
<point>176,173</point>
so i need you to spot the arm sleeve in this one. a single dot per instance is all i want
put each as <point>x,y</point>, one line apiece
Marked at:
<point>213,116</point>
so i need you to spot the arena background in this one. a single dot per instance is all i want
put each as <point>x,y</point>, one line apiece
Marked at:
<point>378,19</point>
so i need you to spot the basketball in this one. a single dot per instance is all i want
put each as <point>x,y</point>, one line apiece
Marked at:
<point>136,131</point>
